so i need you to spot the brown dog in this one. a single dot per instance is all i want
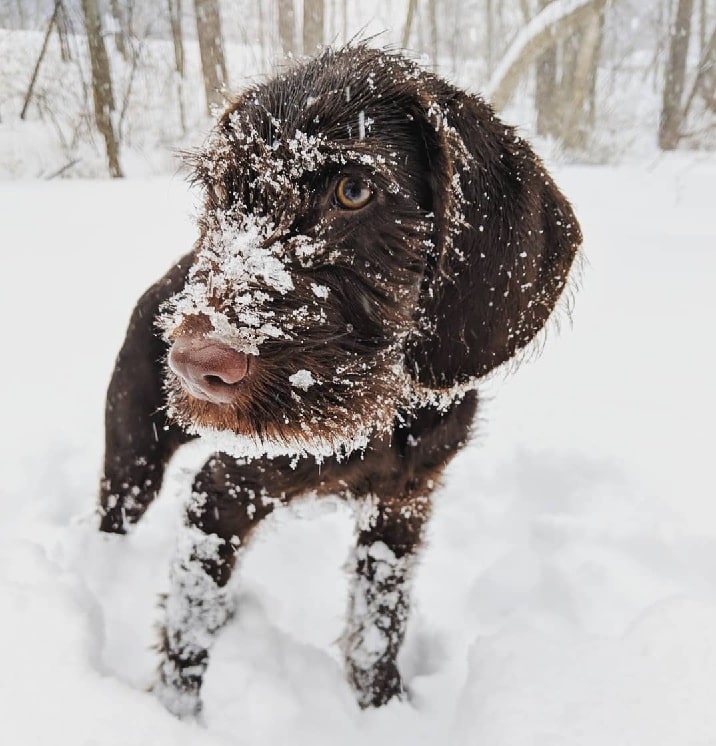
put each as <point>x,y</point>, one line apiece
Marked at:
<point>373,242</point>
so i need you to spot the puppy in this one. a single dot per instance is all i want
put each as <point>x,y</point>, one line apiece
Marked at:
<point>373,242</point>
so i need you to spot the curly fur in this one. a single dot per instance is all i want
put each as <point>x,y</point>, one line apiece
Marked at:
<point>365,330</point>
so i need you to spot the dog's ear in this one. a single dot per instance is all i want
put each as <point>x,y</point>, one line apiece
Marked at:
<point>505,238</point>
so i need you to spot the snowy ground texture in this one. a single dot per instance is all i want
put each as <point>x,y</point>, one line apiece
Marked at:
<point>568,594</point>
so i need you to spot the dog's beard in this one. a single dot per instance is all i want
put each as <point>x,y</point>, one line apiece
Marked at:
<point>332,418</point>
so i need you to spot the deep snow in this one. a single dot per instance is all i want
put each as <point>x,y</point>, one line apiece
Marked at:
<point>568,594</point>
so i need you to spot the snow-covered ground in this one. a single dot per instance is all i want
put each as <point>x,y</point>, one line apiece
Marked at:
<point>568,594</point>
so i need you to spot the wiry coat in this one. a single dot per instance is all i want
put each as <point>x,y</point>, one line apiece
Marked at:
<point>374,241</point>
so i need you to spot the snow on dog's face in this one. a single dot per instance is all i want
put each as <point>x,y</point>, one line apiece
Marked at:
<point>373,240</point>
<point>291,328</point>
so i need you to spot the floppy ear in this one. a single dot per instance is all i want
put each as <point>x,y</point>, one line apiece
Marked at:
<point>505,238</point>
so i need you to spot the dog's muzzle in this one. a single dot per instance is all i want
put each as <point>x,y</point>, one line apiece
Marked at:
<point>207,369</point>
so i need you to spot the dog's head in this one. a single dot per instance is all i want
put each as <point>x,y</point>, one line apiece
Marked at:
<point>368,229</point>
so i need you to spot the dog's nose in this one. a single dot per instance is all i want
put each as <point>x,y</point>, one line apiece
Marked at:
<point>208,370</point>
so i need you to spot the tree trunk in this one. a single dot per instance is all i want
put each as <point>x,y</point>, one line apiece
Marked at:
<point>20,13</point>
<point>121,30</point>
<point>556,22</point>
<point>174,10</point>
<point>433,18</point>
<point>412,4</point>
<point>63,33</point>
<point>345,21</point>
<point>671,109</point>
<point>546,93</point>
<point>705,82</point>
<point>287,26</point>
<point>546,89</point>
<point>40,57</point>
<point>211,49</point>
<point>525,8</point>
<point>101,84</point>
<point>576,123</point>
<point>489,37</point>
<point>313,12</point>
<point>591,115</point>
<point>333,26</point>
<point>264,39</point>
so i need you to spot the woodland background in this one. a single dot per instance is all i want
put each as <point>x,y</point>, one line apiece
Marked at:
<point>92,87</point>
<point>568,591</point>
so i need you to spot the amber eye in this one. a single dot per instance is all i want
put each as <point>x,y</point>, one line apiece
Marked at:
<point>353,193</point>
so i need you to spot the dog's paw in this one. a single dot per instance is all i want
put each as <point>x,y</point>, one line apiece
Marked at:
<point>378,685</point>
<point>185,704</point>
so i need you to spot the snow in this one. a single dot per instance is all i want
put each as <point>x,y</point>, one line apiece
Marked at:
<point>232,259</point>
<point>302,379</point>
<point>567,594</point>
<point>320,291</point>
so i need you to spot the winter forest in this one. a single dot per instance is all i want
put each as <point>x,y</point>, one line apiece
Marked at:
<point>93,87</point>
<point>566,591</point>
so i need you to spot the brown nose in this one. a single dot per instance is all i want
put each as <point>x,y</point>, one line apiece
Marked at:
<point>208,370</point>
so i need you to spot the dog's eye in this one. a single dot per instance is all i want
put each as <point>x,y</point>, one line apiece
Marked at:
<point>353,193</point>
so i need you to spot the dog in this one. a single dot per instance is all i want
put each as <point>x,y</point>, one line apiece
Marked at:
<point>373,242</point>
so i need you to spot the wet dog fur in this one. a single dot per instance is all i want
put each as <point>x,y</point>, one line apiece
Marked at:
<point>364,330</point>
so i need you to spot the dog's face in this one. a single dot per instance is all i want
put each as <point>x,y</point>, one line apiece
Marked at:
<point>314,237</point>
<point>336,198</point>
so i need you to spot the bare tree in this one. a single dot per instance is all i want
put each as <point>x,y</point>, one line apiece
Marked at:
<point>344,33</point>
<point>264,35</point>
<point>20,13</point>
<point>313,13</point>
<point>174,10</point>
<point>577,109</point>
<point>546,88</point>
<point>121,30</point>
<point>433,19</point>
<point>287,26</point>
<point>62,24</point>
<point>489,36</point>
<point>557,21</point>
<point>565,80</point>
<point>211,49</point>
<point>412,7</point>
<point>671,107</point>
<point>525,8</point>
<point>705,81</point>
<point>101,84</point>
<point>51,23</point>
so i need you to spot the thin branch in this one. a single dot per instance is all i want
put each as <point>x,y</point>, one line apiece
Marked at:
<point>62,170</point>
<point>28,95</point>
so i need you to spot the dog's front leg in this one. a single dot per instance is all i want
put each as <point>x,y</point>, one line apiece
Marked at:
<point>139,440</point>
<point>225,505</point>
<point>389,534</point>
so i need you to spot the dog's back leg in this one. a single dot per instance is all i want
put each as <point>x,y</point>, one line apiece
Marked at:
<point>391,519</point>
<point>389,535</point>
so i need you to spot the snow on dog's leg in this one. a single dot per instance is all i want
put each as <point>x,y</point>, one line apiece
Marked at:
<point>196,608</point>
<point>220,516</point>
<point>388,539</point>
